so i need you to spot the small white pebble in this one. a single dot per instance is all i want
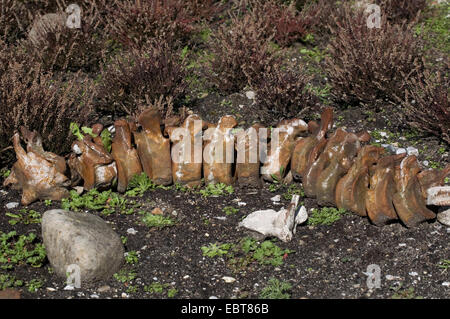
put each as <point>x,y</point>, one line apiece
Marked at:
<point>413,273</point>
<point>131,231</point>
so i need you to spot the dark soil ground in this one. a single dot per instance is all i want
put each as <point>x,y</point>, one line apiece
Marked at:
<point>327,262</point>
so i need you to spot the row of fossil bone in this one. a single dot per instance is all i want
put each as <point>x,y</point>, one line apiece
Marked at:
<point>338,169</point>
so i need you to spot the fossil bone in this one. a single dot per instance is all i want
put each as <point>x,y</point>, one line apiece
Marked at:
<point>187,151</point>
<point>153,148</point>
<point>218,151</point>
<point>126,157</point>
<point>91,162</point>
<point>248,146</point>
<point>36,174</point>
<point>408,201</point>
<point>281,224</point>
<point>278,157</point>
<point>351,190</point>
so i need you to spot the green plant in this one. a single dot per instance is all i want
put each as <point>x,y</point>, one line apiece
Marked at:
<point>155,288</point>
<point>444,264</point>
<point>158,221</point>
<point>270,254</point>
<point>47,202</point>
<point>139,184</point>
<point>214,249</point>
<point>172,292</point>
<point>20,250</point>
<point>401,293</point>
<point>8,281</point>
<point>25,217</point>
<point>216,189</point>
<point>131,257</point>
<point>230,210</point>
<point>105,134</point>
<point>325,216</point>
<point>34,285</point>
<point>93,199</point>
<point>293,189</point>
<point>276,290</point>
<point>5,172</point>
<point>125,276</point>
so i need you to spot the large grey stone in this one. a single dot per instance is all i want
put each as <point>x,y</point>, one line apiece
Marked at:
<point>84,240</point>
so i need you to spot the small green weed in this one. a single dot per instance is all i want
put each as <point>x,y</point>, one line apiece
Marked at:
<point>216,189</point>
<point>158,221</point>
<point>8,281</point>
<point>407,293</point>
<point>325,216</point>
<point>276,290</point>
<point>444,264</point>
<point>125,276</point>
<point>139,184</point>
<point>20,250</point>
<point>214,249</point>
<point>25,217</point>
<point>34,285</point>
<point>131,257</point>
<point>4,172</point>
<point>230,210</point>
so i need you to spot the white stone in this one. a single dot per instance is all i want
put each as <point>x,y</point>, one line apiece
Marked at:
<point>446,283</point>
<point>400,151</point>
<point>124,295</point>
<point>51,289</point>
<point>250,95</point>
<point>281,224</point>
<point>241,204</point>
<point>412,151</point>
<point>12,205</point>
<point>94,296</point>
<point>84,240</point>
<point>228,279</point>
<point>444,217</point>
<point>439,196</point>
<point>276,198</point>
<point>426,163</point>
<point>69,287</point>
<point>213,297</point>
<point>413,273</point>
<point>131,231</point>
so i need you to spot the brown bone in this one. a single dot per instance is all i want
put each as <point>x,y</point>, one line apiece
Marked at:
<point>279,157</point>
<point>218,151</point>
<point>94,164</point>
<point>338,167</point>
<point>351,190</point>
<point>37,177</point>
<point>34,144</point>
<point>248,156</point>
<point>432,178</point>
<point>126,157</point>
<point>408,201</point>
<point>379,203</point>
<point>312,173</point>
<point>153,148</point>
<point>187,169</point>
<point>308,149</point>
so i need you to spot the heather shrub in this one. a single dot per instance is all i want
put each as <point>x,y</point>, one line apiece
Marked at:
<point>400,10</point>
<point>60,48</point>
<point>139,77</point>
<point>134,23</point>
<point>41,102</point>
<point>426,105</point>
<point>285,21</point>
<point>283,92</point>
<point>369,66</point>
<point>240,52</point>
